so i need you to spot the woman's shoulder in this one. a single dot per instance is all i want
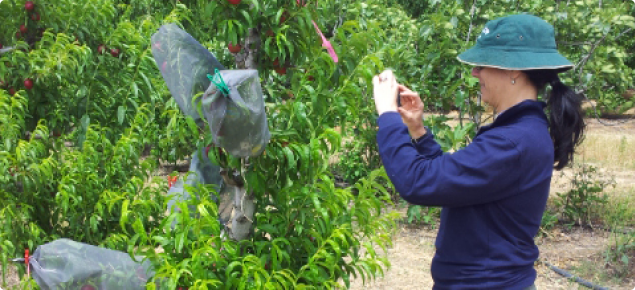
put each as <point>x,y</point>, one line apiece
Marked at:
<point>529,134</point>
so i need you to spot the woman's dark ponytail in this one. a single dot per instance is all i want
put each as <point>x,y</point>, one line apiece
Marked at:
<point>566,119</point>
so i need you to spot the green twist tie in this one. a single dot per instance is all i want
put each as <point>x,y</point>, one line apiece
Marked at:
<point>218,81</point>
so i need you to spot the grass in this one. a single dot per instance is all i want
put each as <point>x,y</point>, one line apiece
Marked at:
<point>608,150</point>
<point>613,265</point>
<point>590,271</point>
<point>611,150</point>
<point>620,210</point>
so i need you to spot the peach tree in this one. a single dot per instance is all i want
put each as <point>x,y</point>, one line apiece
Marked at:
<point>86,119</point>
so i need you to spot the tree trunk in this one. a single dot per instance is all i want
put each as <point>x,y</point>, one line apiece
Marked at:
<point>247,57</point>
<point>240,224</point>
<point>242,213</point>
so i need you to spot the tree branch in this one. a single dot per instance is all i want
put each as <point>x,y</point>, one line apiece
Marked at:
<point>467,40</point>
<point>581,65</point>
<point>469,32</point>
<point>7,49</point>
<point>597,116</point>
<point>575,43</point>
<point>622,34</point>
<point>584,60</point>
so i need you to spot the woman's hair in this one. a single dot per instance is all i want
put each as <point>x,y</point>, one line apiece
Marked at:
<point>566,119</point>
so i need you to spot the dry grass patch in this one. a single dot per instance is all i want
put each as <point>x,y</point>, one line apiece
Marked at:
<point>609,150</point>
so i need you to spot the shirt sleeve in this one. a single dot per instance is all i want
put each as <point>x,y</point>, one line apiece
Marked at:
<point>484,171</point>
<point>427,146</point>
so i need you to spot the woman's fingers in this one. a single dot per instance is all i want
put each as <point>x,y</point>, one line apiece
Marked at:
<point>376,80</point>
<point>409,94</point>
<point>388,75</point>
<point>415,99</point>
<point>409,99</point>
<point>403,112</point>
<point>405,89</point>
<point>412,103</point>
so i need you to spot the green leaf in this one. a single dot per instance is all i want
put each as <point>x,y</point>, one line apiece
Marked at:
<point>291,163</point>
<point>121,114</point>
<point>180,241</point>
<point>85,122</point>
<point>247,17</point>
<point>124,215</point>
<point>192,125</point>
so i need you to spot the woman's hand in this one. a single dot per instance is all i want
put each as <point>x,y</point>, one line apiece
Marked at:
<point>411,111</point>
<point>385,92</point>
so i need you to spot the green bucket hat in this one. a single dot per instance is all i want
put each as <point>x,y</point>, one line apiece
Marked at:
<point>516,42</point>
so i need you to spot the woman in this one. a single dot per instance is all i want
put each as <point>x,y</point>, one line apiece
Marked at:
<point>493,191</point>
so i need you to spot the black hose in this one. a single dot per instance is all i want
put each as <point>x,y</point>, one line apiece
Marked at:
<point>579,280</point>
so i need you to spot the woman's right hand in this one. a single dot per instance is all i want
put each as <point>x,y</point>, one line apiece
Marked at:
<point>411,111</point>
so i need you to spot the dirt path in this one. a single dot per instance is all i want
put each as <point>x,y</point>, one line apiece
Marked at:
<point>12,277</point>
<point>413,249</point>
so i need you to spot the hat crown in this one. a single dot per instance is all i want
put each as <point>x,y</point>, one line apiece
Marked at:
<point>518,32</point>
<point>517,42</point>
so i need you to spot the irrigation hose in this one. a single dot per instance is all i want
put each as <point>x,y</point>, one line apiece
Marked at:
<point>570,276</point>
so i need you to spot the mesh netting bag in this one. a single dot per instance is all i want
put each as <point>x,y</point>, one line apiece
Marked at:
<point>201,171</point>
<point>66,264</point>
<point>235,111</point>
<point>184,64</point>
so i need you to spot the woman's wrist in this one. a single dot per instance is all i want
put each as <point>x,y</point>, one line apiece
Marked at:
<point>418,132</point>
<point>380,111</point>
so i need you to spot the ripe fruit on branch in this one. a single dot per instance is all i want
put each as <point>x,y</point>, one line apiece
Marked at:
<point>234,2</point>
<point>114,52</point>
<point>0,45</point>
<point>29,6</point>
<point>284,17</point>
<point>23,28</point>
<point>101,49</point>
<point>281,70</point>
<point>11,91</point>
<point>28,84</point>
<point>35,17</point>
<point>234,48</point>
<point>88,287</point>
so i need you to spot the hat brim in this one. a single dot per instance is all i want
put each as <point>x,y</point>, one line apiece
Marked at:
<point>514,59</point>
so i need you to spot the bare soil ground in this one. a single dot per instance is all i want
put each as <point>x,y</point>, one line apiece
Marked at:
<point>413,249</point>
<point>11,276</point>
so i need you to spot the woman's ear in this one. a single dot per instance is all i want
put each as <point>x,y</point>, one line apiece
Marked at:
<point>514,74</point>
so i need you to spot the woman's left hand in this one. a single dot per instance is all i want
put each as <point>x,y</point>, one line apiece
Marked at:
<point>385,89</point>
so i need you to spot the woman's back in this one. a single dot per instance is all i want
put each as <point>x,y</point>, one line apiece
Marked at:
<point>497,237</point>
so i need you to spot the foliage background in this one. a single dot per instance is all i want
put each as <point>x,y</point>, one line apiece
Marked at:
<point>79,148</point>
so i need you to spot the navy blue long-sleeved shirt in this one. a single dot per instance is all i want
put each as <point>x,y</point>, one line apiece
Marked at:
<point>493,193</point>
